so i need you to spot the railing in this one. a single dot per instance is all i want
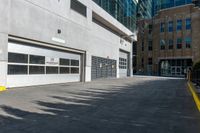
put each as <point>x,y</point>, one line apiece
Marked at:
<point>195,76</point>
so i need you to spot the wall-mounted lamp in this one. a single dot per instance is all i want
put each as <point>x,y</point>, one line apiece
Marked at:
<point>59,31</point>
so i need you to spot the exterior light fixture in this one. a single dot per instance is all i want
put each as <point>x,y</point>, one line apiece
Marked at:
<point>59,31</point>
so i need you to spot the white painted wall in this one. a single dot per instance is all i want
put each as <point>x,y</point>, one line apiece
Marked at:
<point>40,20</point>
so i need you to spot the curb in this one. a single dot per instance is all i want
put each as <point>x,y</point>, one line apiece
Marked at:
<point>194,94</point>
<point>2,88</point>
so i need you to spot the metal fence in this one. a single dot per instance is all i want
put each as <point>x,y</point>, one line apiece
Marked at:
<point>195,76</point>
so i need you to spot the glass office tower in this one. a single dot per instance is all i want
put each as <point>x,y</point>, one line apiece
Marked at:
<point>122,10</point>
<point>144,9</point>
<point>163,4</point>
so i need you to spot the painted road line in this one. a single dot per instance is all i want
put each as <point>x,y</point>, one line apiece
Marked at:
<point>194,94</point>
<point>2,88</point>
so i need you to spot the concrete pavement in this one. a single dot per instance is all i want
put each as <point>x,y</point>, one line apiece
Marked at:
<point>131,105</point>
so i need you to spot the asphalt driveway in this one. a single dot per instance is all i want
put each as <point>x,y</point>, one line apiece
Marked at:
<point>131,105</point>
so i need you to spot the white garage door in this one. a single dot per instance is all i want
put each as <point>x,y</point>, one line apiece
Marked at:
<point>30,65</point>
<point>123,64</point>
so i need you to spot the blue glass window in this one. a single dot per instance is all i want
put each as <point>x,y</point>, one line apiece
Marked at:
<point>163,4</point>
<point>170,26</point>
<point>179,2</point>
<point>188,1</point>
<point>188,24</point>
<point>188,42</point>
<point>179,25</point>
<point>162,27</point>
<point>179,43</point>
<point>122,10</point>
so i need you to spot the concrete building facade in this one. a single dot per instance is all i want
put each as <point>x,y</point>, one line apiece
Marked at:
<point>58,41</point>
<point>168,44</point>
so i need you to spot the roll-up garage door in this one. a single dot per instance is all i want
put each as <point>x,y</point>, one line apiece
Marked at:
<point>123,64</point>
<point>30,65</point>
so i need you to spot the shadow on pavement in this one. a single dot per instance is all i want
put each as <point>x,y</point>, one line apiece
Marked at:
<point>141,108</point>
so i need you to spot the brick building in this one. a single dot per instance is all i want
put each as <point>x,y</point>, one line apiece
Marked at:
<point>168,44</point>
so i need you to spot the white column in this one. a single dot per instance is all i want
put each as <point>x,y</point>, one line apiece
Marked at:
<point>88,67</point>
<point>4,10</point>
<point>3,58</point>
<point>131,60</point>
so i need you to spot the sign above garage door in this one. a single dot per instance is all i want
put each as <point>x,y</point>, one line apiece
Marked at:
<point>52,61</point>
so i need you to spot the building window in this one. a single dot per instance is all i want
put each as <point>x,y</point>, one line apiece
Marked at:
<point>162,27</point>
<point>162,44</point>
<point>24,64</point>
<point>122,63</point>
<point>150,28</point>
<point>34,59</point>
<point>170,26</point>
<point>74,62</point>
<point>74,70</point>
<point>122,10</point>
<point>36,70</point>
<point>181,2</point>
<point>64,62</point>
<point>142,45</point>
<point>179,43</point>
<point>51,70</point>
<point>171,44</point>
<point>188,24</point>
<point>188,42</point>
<point>17,69</point>
<point>17,58</point>
<point>79,7</point>
<point>64,70</point>
<point>179,25</point>
<point>150,46</point>
<point>17,64</point>
<point>142,62</point>
<point>150,61</point>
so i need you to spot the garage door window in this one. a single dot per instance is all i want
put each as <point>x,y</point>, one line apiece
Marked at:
<point>69,66</point>
<point>37,64</point>
<point>17,69</point>
<point>17,64</point>
<point>74,70</point>
<point>64,70</point>
<point>74,62</point>
<point>122,63</point>
<point>36,70</point>
<point>17,58</point>
<point>64,61</point>
<point>34,59</point>
<point>51,70</point>
<point>23,64</point>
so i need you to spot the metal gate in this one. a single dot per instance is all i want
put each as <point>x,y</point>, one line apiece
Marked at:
<point>103,68</point>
